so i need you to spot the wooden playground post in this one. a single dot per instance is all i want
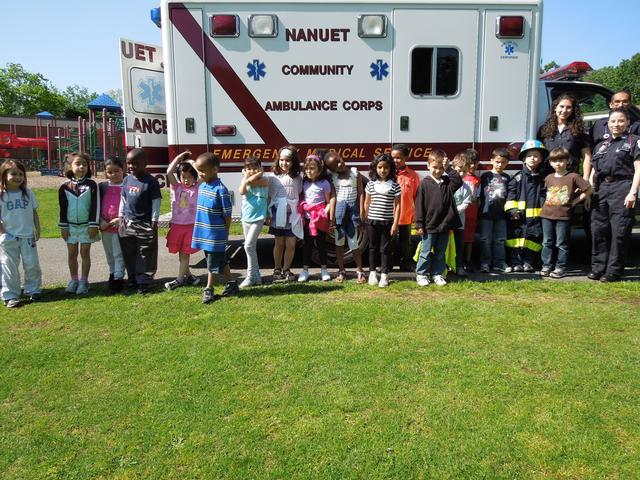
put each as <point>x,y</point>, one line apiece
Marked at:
<point>104,134</point>
<point>80,139</point>
<point>60,147</point>
<point>49,146</point>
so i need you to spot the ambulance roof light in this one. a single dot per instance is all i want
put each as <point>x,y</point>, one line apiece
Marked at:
<point>225,26</point>
<point>263,26</point>
<point>155,16</point>
<point>510,26</point>
<point>372,26</point>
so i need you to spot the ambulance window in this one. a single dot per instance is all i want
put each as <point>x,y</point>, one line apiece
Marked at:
<point>434,71</point>
<point>447,71</point>
<point>421,60</point>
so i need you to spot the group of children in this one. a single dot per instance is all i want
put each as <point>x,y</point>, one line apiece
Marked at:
<point>299,201</point>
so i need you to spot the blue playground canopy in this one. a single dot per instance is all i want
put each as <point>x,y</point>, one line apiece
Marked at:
<point>44,114</point>
<point>104,101</point>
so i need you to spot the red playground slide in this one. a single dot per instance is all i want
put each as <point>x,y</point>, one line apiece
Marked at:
<point>9,141</point>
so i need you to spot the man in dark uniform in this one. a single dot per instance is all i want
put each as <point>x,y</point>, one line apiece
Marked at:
<point>616,164</point>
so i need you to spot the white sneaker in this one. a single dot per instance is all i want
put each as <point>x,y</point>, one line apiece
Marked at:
<point>247,282</point>
<point>384,280</point>
<point>373,278</point>
<point>439,280</point>
<point>422,280</point>
<point>503,269</point>
<point>72,286</point>
<point>304,276</point>
<point>324,275</point>
<point>83,288</point>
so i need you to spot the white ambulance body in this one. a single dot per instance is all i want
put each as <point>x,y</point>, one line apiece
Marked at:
<point>248,77</point>
<point>144,105</point>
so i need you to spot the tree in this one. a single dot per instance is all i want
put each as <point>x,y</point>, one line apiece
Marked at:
<point>77,98</point>
<point>625,75</point>
<point>116,94</point>
<point>26,93</point>
<point>552,65</point>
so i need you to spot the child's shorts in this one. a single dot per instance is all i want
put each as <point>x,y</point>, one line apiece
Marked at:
<point>216,261</point>
<point>350,234</point>
<point>179,239</point>
<point>280,232</point>
<point>80,234</point>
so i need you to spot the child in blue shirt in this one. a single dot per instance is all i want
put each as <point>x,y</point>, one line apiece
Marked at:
<point>254,189</point>
<point>138,226</point>
<point>19,232</point>
<point>211,230</point>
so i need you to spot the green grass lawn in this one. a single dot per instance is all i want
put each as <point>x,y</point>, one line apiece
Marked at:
<point>49,212</point>
<point>496,380</point>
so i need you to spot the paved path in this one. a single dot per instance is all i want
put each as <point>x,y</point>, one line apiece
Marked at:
<point>53,260</point>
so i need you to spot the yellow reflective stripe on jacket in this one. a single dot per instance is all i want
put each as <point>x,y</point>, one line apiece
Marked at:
<point>533,212</point>
<point>515,243</point>
<point>536,247</point>
<point>523,243</point>
<point>511,204</point>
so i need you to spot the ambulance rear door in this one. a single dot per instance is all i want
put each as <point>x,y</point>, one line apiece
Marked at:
<point>434,77</point>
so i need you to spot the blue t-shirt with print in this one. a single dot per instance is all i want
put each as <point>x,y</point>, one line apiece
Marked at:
<point>254,203</point>
<point>138,195</point>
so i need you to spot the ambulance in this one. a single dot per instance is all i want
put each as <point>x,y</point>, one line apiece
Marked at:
<point>245,78</point>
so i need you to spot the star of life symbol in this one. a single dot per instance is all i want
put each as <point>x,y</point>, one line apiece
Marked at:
<point>256,70</point>
<point>151,91</point>
<point>379,69</point>
<point>509,48</point>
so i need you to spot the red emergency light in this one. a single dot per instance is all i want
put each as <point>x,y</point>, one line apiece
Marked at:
<point>510,26</point>
<point>225,26</point>
<point>573,71</point>
<point>224,130</point>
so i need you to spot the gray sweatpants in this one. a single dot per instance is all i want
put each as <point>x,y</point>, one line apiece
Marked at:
<point>11,250</point>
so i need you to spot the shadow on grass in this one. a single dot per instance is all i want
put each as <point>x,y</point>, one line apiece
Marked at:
<point>278,289</point>
<point>98,289</point>
<point>58,294</point>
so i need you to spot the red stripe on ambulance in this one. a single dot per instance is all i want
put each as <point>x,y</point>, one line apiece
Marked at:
<point>224,74</point>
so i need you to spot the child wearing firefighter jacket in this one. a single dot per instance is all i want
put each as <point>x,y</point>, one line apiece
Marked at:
<point>525,195</point>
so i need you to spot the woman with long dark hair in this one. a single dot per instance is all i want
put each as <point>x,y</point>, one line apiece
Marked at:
<point>564,128</point>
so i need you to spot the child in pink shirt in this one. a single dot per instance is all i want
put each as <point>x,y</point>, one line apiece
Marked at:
<point>110,193</point>
<point>183,182</point>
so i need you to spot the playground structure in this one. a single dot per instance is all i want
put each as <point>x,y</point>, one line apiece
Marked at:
<point>101,135</point>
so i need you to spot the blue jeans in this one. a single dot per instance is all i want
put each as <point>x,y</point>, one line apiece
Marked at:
<point>555,233</point>
<point>432,261</point>
<point>493,234</point>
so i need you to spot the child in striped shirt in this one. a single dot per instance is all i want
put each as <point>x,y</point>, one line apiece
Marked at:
<point>382,214</point>
<point>211,229</point>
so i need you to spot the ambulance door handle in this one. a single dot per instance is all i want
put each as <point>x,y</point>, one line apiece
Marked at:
<point>404,123</point>
<point>190,125</point>
<point>493,123</point>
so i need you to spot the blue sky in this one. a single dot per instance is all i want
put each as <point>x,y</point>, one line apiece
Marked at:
<point>76,41</point>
